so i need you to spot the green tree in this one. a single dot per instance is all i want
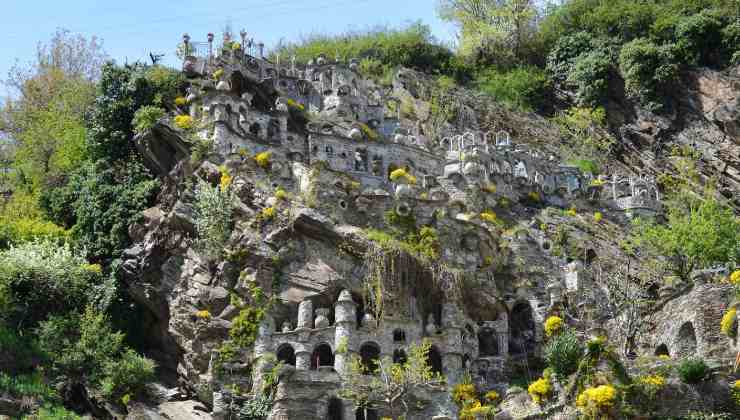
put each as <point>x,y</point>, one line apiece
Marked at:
<point>392,384</point>
<point>699,233</point>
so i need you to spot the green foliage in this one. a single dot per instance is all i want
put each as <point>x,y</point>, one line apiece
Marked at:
<point>146,116</point>
<point>51,412</point>
<point>121,92</point>
<point>692,371</point>
<point>30,386</point>
<point>85,349</point>
<point>698,37</point>
<point>412,46</point>
<point>563,353</point>
<point>648,70</point>
<point>522,88</point>
<point>213,207</point>
<point>16,231</point>
<point>698,234</point>
<point>42,278</point>
<point>585,146</point>
<point>257,408</point>
<point>590,76</point>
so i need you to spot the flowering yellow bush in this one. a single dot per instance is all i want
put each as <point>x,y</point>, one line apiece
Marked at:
<point>463,392</point>
<point>664,357</point>
<point>204,314</point>
<point>268,213</point>
<point>181,101</point>
<point>93,268</point>
<point>369,132</point>
<point>236,46</point>
<point>263,159</point>
<point>280,194</point>
<point>295,105</point>
<point>401,176</point>
<point>653,380</point>
<point>489,188</point>
<point>491,396</point>
<point>218,73</point>
<point>184,121</point>
<point>598,216</point>
<point>727,325</point>
<point>534,196</point>
<point>539,390</point>
<point>553,325</point>
<point>571,212</point>
<point>225,180</point>
<point>594,401</point>
<point>735,278</point>
<point>488,216</point>
<point>596,182</point>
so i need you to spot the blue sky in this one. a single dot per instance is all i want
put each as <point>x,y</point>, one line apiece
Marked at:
<point>131,29</point>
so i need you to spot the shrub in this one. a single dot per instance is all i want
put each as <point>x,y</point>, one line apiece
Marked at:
<point>735,277</point>
<point>212,210</point>
<point>281,194</point>
<point>563,353</point>
<point>488,216</point>
<point>598,217</point>
<point>523,88</point>
<point>40,278</point>
<point>693,371</point>
<point>203,314</point>
<point>491,396</point>
<point>567,49</point>
<point>648,70</point>
<point>126,375</point>
<point>263,159</point>
<point>25,229</point>
<point>181,101</point>
<point>146,116</point>
<point>400,176</point>
<point>540,390</point>
<point>735,391</point>
<point>652,384</point>
<point>463,392</point>
<point>53,412</point>
<point>728,323</point>
<point>590,76</point>
<point>553,325</point>
<point>184,122</point>
<point>597,400</point>
<point>698,37</point>
<point>268,213</point>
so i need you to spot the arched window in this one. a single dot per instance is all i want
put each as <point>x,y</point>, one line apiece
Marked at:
<point>686,340</point>
<point>322,356</point>
<point>255,129</point>
<point>363,413</point>
<point>521,325</point>
<point>399,336</point>
<point>399,356</point>
<point>286,354</point>
<point>487,342</point>
<point>370,356</point>
<point>662,350</point>
<point>335,409</point>
<point>434,359</point>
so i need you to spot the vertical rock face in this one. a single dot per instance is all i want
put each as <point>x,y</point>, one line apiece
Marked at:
<point>351,233</point>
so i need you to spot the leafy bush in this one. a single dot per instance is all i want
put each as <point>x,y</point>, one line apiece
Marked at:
<point>263,159</point>
<point>590,76</point>
<point>692,371</point>
<point>401,176</point>
<point>53,412</point>
<point>213,207</point>
<point>41,278</point>
<point>32,386</point>
<point>648,70</point>
<point>184,121</point>
<point>563,55</point>
<point>553,325</point>
<point>540,390</point>
<point>698,37</point>
<point>146,116</point>
<point>257,408</point>
<point>522,88</point>
<point>16,231</point>
<point>126,375</point>
<point>729,323</point>
<point>563,353</point>
<point>597,401</point>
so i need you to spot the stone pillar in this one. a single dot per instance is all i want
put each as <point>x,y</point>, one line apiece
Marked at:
<point>305,315</point>
<point>262,344</point>
<point>302,357</point>
<point>345,319</point>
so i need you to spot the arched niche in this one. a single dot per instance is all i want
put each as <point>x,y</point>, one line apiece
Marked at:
<point>662,350</point>
<point>322,356</point>
<point>399,335</point>
<point>686,341</point>
<point>370,357</point>
<point>434,359</point>
<point>522,328</point>
<point>487,342</point>
<point>286,354</point>
<point>335,409</point>
<point>399,356</point>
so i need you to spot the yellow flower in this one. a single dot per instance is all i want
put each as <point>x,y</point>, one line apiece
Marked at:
<point>463,392</point>
<point>735,277</point>
<point>268,213</point>
<point>236,46</point>
<point>218,73</point>
<point>553,325</point>
<point>653,380</point>
<point>180,101</point>
<point>204,314</point>
<point>93,268</point>
<point>534,196</point>
<point>280,194</point>
<point>489,188</point>
<point>488,216</point>
<point>598,216</point>
<point>572,212</point>
<point>491,396</point>
<point>225,181</point>
<point>598,399</point>
<point>539,390</point>
<point>401,176</point>
<point>184,121</point>
<point>664,357</point>
<point>263,159</point>
<point>728,322</point>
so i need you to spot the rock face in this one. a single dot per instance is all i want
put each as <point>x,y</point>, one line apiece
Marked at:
<point>332,254</point>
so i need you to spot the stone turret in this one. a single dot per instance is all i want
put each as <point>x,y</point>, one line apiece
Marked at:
<point>345,319</point>
<point>452,357</point>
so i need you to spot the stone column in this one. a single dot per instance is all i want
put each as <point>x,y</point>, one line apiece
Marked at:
<point>302,357</point>
<point>345,319</point>
<point>263,342</point>
<point>305,315</point>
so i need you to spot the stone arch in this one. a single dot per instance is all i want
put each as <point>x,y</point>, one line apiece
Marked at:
<point>255,129</point>
<point>370,356</point>
<point>662,350</point>
<point>487,342</point>
<point>434,359</point>
<point>286,354</point>
<point>237,83</point>
<point>399,335</point>
<point>686,341</point>
<point>322,356</point>
<point>366,413</point>
<point>399,356</point>
<point>335,409</point>
<point>522,327</point>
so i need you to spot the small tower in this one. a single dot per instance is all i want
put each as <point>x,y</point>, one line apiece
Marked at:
<point>345,319</point>
<point>305,322</point>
